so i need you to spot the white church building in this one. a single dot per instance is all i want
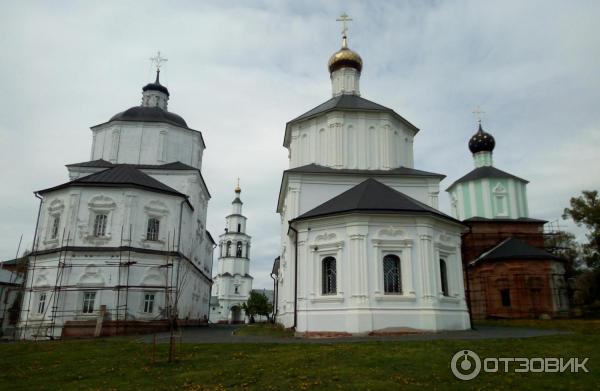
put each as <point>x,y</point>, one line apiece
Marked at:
<point>364,247</point>
<point>122,246</point>
<point>233,282</point>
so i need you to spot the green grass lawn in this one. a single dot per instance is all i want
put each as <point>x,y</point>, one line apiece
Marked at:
<point>124,364</point>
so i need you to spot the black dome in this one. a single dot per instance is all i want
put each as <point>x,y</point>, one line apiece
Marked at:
<point>482,141</point>
<point>156,86</point>
<point>149,114</point>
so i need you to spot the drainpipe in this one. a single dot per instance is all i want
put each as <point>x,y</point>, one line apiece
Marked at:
<point>33,250</point>
<point>295,276</point>
<point>274,277</point>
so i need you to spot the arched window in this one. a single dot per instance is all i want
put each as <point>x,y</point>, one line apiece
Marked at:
<point>239,228</point>
<point>238,250</point>
<point>392,282</point>
<point>228,248</point>
<point>153,227</point>
<point>55,226</point>
<point>100,225</point>
<point>444,277</point>
<point>329,276</point>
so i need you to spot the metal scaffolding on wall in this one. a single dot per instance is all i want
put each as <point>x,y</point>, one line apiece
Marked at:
<point>42,323</point>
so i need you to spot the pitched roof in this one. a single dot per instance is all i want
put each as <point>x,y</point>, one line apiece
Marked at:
<point>318,169</point>
<point>486,172</point>
<point>505,220</point>
<point>118,176</point>
<point>372,196</point>
<point>513,248</point>
<point>347,102</point>
<point>101,163</point>
<point>167,166</point>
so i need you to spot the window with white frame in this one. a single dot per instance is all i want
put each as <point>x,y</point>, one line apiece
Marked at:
<point>238,250</point>
<point>100,221</point>
<point>88,302</point>
<point>392,275</point>
<point>55,227</point>
<point>228,249</point>
<point>149,298</point>
<point>41,303</point>
<point>329,276</point>
<point>444,277</point>
<point>153,229</point>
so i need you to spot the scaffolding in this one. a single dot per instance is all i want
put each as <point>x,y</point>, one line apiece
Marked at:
<point>518,295</point>
<point>60,313</point>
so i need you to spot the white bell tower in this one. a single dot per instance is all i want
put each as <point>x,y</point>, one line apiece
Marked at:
<point>233,282</point>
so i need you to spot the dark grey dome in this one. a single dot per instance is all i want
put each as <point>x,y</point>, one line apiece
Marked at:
<point>149,114</point>
<point>156,86</point>
<point>482,141</point>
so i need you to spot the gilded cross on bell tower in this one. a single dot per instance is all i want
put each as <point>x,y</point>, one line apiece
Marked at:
<point>344,18</point>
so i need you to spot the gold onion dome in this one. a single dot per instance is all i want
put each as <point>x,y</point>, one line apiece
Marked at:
<point>345,58</point>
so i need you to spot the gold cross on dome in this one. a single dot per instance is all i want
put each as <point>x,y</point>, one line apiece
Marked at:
<point>478,113</point>
<point>158,60</point>
<point>344,18</point>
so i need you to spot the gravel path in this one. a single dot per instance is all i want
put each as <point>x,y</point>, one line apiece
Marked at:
<point>224,334</point>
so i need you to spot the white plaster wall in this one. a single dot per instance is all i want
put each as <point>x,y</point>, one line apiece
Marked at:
<point>352,140</point>
<point>146,143</point>
<point>99,272</point>
<point>360,306</point>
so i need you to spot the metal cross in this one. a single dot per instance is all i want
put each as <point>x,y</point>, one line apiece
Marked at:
<point>478,113</point>
<point>344,18</point>
<point>158,60</point>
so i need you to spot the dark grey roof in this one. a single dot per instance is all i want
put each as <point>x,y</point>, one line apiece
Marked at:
<point>371,196</point>
<point>275,269</point>
<point>149,114</point>
<point>237,201</point>
<point>485,172</point>
<point>118,176</point>
<point>347,102</point>
<point>513,248</point>
<point>210,237</point>
<point>166,166</point>
<point>504,220</point>
<point>101,163</point>
<point>405,171</point>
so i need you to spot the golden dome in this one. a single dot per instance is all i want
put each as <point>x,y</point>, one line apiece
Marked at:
<point>345,58</point>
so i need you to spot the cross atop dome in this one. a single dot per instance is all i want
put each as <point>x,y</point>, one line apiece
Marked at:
<point>344,18</point>
<point>478,114</point>
<point>158,60</point>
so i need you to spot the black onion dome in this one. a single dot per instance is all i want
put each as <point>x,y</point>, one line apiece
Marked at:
<point>149,114</point>
<point>482,141</point>
<point>156,86</point>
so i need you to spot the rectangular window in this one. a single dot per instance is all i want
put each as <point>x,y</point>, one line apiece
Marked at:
<point>148,303</point>
<point>444,277</point>
<point>329,276</point>
<point>41,303</point>
<point>88,302</point>
<point>153,228</point>
<point>505,297</point>
<point>55,227</point>
<point>392,275</point>
<point>100,225</point>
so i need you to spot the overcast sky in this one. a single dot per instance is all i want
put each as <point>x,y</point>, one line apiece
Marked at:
<point>239,70</point>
